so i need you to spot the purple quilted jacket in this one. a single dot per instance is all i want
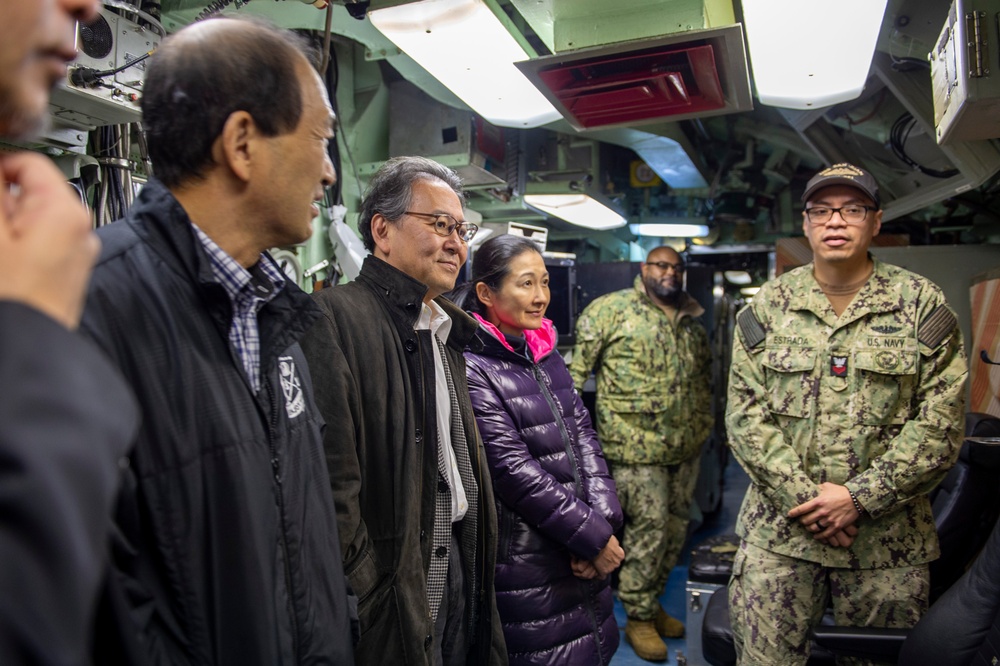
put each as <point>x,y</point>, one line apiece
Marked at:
<point>554,497</point>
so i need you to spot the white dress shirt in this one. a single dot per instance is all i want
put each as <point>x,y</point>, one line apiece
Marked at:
<point>433,317</point>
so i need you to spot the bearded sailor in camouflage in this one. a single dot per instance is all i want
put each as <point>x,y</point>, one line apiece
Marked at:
<point>651,357</point>
<point>846,406</point>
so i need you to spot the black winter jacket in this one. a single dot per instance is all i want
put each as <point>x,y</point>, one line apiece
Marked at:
<point>227,551</point>
<point>374,380</point>
<point>66,419</point>
<point>554,496</point>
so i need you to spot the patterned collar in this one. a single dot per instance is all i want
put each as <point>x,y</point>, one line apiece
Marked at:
<point>249,291</point>
<point>231,275</point>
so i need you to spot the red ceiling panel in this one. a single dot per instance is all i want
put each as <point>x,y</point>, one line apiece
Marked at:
<point>640,86</point>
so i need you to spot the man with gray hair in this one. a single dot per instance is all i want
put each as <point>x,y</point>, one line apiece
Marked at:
<point>414,499</point>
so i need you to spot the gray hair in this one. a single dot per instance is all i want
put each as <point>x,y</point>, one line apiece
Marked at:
<point>391,189</point>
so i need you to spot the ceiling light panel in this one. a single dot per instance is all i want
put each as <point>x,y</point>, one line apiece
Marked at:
<point>811,53</point>
<point>669,230</point>
<point>464,45</point>
<point>579,209</point>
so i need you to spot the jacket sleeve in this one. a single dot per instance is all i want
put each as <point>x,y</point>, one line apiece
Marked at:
<point>129,610</point>
<point>589,343</point>
<point>602,494</point>
<point>754,437</point>
<point>928,444</point>
<point>337,400</point>
<point>702,385</point>
<point>520,482</point>
<point>66,419</point>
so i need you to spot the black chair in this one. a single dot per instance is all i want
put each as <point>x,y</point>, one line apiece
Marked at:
<point>963,627</point>
<point>966,505</point>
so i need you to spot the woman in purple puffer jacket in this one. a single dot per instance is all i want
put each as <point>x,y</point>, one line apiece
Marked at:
<point>556,501</point>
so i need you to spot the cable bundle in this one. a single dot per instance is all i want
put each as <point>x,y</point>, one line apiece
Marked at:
<point>213,8</point>
<point>899,135</point>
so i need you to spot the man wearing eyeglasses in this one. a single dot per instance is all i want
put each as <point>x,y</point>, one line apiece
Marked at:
<point>414,500</point>
<point>845,407</point>
<point>650,353</point>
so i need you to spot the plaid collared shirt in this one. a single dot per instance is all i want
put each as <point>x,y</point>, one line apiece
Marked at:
<point>248,291</point>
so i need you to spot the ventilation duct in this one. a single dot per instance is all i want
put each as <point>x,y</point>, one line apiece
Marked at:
<point>684,75</point>
<point>475,149</point>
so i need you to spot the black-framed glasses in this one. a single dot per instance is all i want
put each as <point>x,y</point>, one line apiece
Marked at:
<point>664,265</point>
<point>851,214</point>
<point>444,224</point>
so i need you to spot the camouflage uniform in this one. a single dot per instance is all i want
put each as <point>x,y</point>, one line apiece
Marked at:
<point>777,599</point>
<point>653,414</point>
<point>872,400</point>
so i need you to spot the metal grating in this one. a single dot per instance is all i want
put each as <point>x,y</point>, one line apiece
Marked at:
<point>633,88</point>
<point>673,77</point>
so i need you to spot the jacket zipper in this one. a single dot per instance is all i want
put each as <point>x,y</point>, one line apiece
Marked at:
<point>276,467</point>
<point>579,492</point>
<point>591,603</point>
<point>562,429</point>
<point>506,527</point>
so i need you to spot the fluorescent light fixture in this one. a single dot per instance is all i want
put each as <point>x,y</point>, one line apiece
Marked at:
<point>668,230</point>
<point>809,54</point>
<point>667,158</point>
<point>749,291</point>
<point>579,209</point>
<point>736,277</point>
<point>463,44</point>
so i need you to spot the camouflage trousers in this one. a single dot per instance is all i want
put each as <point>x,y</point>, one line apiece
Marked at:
<point>656,501</point>
<point>774,600</point>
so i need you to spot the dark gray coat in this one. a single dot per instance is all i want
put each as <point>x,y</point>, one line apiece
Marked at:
<point>374,385</point>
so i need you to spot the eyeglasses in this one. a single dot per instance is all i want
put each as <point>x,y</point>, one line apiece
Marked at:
<point>444,224</point>
<point>853,214</point>
<point>664,265</point>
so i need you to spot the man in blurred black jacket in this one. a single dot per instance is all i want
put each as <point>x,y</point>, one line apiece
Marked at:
<point>66,417</point>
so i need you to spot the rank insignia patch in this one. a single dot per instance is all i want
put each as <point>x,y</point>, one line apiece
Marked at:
<point>838,366</point>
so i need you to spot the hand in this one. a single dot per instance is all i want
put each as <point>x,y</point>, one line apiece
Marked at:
<point>610,557</point>
<point>827,513</point>
<point>47,248</point>
<point>582,568</point>
<point>841,539</point>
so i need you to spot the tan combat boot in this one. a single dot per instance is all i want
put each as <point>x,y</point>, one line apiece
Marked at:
<point>668,627</point>
<point>642,636</point>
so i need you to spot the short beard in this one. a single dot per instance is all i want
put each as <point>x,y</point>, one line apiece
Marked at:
<point>18,123</point>
<point>669,295</point>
